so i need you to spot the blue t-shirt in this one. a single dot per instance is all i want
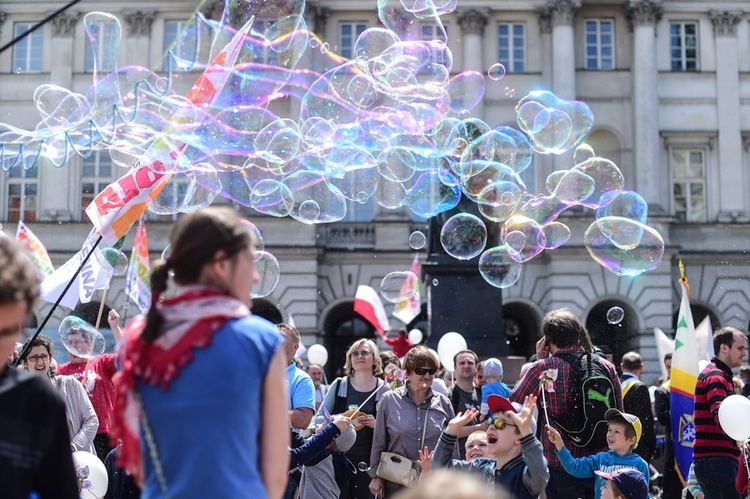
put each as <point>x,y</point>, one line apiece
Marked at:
<point>301,388</point>
<point>207,425</point>
<point>496,388</point>
<point>608,462</point>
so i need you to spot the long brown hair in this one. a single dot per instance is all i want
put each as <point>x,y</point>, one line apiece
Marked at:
<point>195,240</point>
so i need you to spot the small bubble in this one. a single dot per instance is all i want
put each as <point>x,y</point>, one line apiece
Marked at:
<point>510,92</point>
<point>362,466</point>
<point>615,315</point>
<point>314,42</point>
<point>126,305</point>
<point>324,48</point>
<point>18,71</point>
<point>434,282</point>
<point>496,72</point>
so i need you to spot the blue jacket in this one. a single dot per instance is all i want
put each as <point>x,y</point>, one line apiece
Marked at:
<point>608,462</point>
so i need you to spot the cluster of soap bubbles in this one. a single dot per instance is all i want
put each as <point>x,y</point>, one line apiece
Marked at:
<point>391,125</point>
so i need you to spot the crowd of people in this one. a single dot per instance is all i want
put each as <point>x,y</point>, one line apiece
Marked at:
<point>203,399</point>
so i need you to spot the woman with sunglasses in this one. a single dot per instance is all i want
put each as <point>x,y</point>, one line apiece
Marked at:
<point>82,420</point>
<point>363,368</point>
<point>408,413</point>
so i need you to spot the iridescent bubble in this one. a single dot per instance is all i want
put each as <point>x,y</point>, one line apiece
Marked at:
<point>615,315</point>
<point>466,90</point>
<point>80,338</point>
<point>271,197</point>
<point>429,196</point>
<point>583,153</point>
<point>554,125</point>
<point>556,234</point>
<point>646,255</point>
<point>267,267</point>
<point>397,164</point>
<point>117,260</point>
<point>257,237</point>
<point>463,236</point>
<point>627,204</point>
<point>607,180</point>
<point>573,187</point>
<point>498,268</point>
<point>417,240</point>
<point>523,238</point>
<point>393,283</point>
<point>362,467</point>
<point>435,282</point>
<point>496,72</point>
<point>309,211</point>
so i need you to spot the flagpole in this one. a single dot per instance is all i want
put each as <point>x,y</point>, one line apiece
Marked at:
<point>27,347</point>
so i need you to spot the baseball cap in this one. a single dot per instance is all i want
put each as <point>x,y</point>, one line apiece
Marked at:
<point>493,368</point>
<point>634,421</point>
<point>630,481</point>
<point>497,403</point>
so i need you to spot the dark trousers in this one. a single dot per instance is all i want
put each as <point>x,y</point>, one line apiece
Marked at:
<point>101,445</point>
<point>716,476</point>
<point>359,485</point>
<point>563,486</point>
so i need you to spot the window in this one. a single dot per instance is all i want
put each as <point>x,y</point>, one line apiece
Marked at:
<point>599,45</point>
<point>183,46</point>
<point>21,188</point>
<point>688,185</point>
<point>511,47</point>
<point>683,44</point>
<point>96,174</point>
<point>348,34</point>
<point>108,61</point>
<point>27,53</point>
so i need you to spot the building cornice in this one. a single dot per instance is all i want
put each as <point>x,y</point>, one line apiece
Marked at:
<point>644,12</point>
<point>64,24</point>
<point>725,22</point>
<point>563,12</point>
<point>473,21</point>
<point>139,21</point>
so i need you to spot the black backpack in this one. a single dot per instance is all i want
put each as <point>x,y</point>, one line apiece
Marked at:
<point>591,393</point>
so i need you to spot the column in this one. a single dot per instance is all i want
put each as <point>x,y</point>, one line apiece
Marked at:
<point>563,14</point>
<point>731,173</point>
<point>544,15</point>
<point>57,185</point>
<point>138,24</point>
<point>644,14</point>
<point>472,23</point>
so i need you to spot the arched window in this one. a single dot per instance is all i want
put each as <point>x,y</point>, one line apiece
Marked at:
<point>699,312</point>
<point>522,328</point>
<point>614,337</point>
<point>267,310</point>
<point>342,327</point>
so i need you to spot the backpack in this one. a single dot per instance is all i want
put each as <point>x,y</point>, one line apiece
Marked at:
<point>591,394</point>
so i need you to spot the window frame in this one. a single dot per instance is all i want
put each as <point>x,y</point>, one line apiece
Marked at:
<point>682,36</point>
<point>599,45</point>
<point>24,181</point>
<point>511,64</point>
<point>355,26</point>
<point>27,45</point>
<point>687,182</point>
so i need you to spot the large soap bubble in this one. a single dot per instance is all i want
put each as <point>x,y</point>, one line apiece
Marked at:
<point>463,236</point>
<point>498,268</point>
<point>80,338</point>
<point>629,261</point>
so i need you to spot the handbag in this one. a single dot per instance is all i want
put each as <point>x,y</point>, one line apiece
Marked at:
<point>398,469</point>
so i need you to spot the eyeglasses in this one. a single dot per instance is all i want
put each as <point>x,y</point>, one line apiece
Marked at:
<point>364,353</point>
<point>498,423</point>
<point>75,343</point>
<point>421,371</point>
<point>34,358</point>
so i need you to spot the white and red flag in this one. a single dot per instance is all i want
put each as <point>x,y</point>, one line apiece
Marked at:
<point>367,304</point>
<point>409,306</point>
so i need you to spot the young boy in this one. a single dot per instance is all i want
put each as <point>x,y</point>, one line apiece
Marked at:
<point>624,431</point>
<point>625,483</point>
<point>476,446</point>
<point>493,375</point>
<point>515,460</point>
<point>328,473</point>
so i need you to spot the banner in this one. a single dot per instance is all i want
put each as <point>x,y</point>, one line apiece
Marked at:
<point>138,285</point>
<point>367,304</point>
<point>682,387</point>
<point>409,305</point>
<point>114,211</point>
<point>704,336</point>
<point>35,250</point>
<point>664,345</point>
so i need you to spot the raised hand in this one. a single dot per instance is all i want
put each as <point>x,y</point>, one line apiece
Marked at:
<point>342,422</point>
<point>524,418</point>
<point>555,437</point>
<point>461,420</point>
<point>425,461</point>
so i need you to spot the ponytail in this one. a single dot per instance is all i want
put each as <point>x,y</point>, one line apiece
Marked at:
<point>159,276</point>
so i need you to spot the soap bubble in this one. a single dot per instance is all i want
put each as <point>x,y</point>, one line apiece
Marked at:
<point>646,255</point>
<point>417,240</point>
<point>615,315</point>
<point>80,338</point>
<point>267,267</point>
<point>463,236</point>
<point>393,283</point>
<point>498,268</point>
<point>117,260</point>
<point>496,72</point>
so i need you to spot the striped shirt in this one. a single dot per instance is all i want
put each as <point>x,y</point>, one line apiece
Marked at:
<point>713,386</point>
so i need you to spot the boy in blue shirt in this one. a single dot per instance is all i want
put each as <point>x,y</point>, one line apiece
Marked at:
<point>493,373</point>
<point>624,431</point>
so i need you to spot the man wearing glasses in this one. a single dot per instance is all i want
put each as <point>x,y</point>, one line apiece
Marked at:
<point>35,453</point>
<point>515,458</point>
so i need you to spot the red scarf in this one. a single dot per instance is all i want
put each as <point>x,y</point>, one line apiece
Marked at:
<point>191,319</point>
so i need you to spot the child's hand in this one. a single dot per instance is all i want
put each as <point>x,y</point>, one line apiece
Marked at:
<point>342,423</point>
<point>555,437</point>
<point>425,457</point>
<point>461,420</point>
<point>523,419</point>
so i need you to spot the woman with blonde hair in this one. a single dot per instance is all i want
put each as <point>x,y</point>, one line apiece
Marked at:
<point>360,387</point>
<point>202,376</point>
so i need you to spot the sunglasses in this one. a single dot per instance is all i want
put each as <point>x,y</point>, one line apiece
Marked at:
<point>498,423</point>
<point>421,371</point>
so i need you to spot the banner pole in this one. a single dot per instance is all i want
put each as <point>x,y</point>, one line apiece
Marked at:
<point>27,347</point>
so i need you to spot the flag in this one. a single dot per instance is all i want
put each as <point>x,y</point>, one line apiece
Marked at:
<point>704,336</point>
<point>137,284</point>
<point>96,274</point>
<point>114,211</point>
<point>664,345</point>
<point>34,249</point>
<point>682,386</point>
<point>367,304</point>
<point>409,304</point>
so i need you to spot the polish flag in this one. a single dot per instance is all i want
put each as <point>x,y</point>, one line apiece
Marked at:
<point>367,304</point>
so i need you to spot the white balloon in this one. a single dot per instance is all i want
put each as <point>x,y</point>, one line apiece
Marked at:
<point>733,418</point>
<point>448,346</point>
<point>91,473</point>
<point>415,336</point>
<point>317,354</point>
<point>434,353</point>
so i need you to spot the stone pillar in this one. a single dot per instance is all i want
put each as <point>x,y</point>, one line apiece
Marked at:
<point>472,23</point>
<point>138,24</point>
<point>57,185</point>
<point>563,14</point>
<point>644,14</point>
<point>544,15</point>
<point>732,179</point>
